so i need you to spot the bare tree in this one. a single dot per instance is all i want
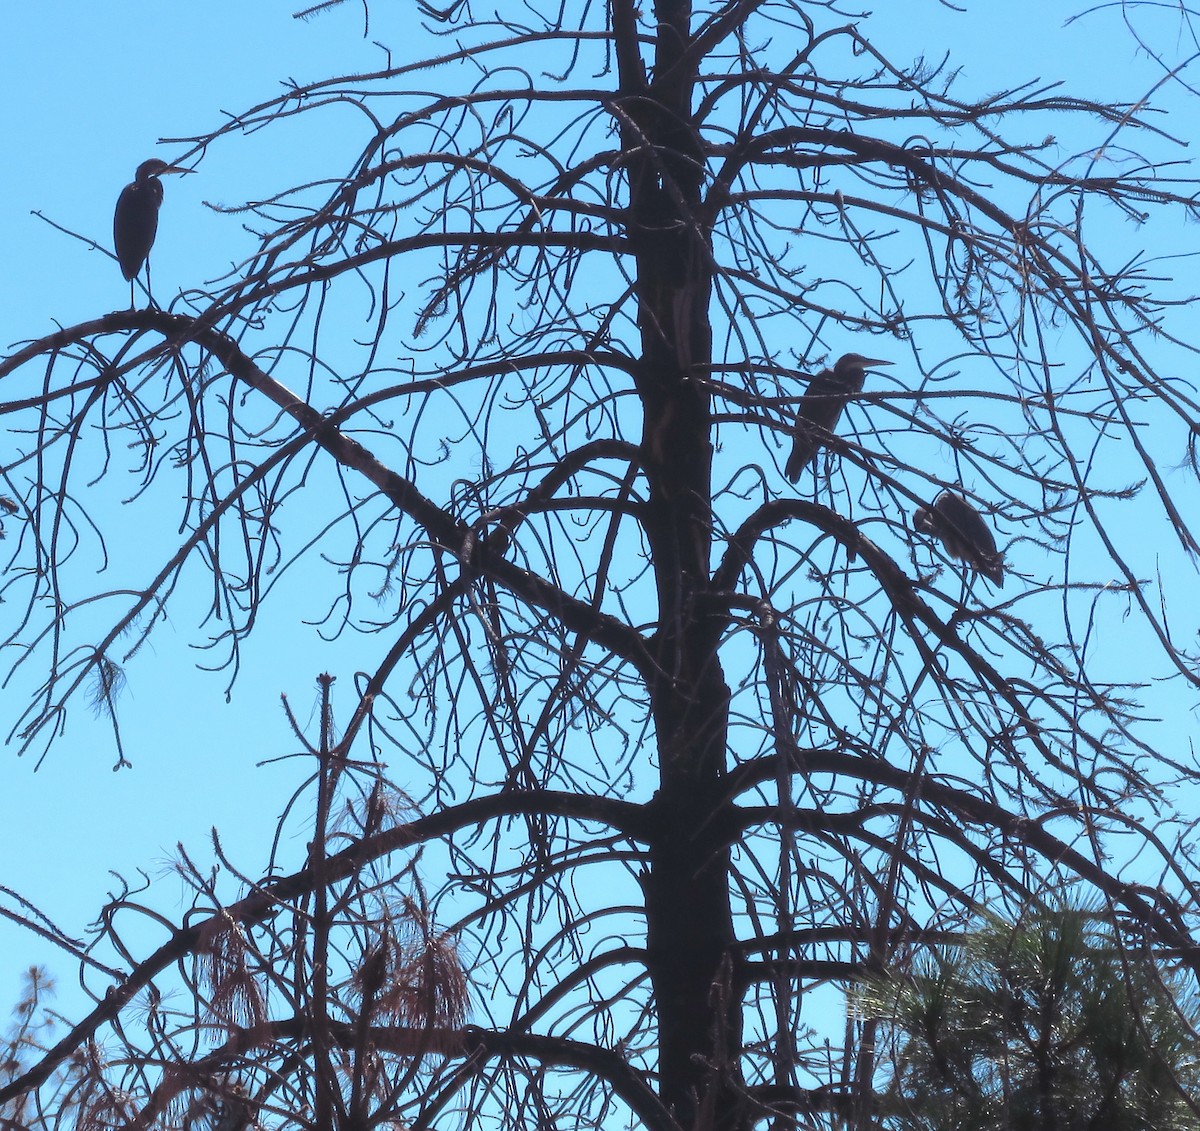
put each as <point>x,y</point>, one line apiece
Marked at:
<point>686,747</point>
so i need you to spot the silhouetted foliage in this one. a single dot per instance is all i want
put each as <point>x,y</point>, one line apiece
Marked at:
<point>1046,1022</point>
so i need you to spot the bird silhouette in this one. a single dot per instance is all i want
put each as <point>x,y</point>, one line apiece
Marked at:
<point>963,532</point>
<point>7,506</point>
<point>135,222</point>
<point>822,405</point>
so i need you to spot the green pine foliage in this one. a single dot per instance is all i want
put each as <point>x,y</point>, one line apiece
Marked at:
<point>1054,1021</point>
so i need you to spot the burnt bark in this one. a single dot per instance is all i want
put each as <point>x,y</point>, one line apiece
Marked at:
<point>688,913</point>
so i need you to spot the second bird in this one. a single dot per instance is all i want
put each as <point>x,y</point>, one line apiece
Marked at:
<point>821,407</point>
<point>964,533</point>
<point>135,221</point>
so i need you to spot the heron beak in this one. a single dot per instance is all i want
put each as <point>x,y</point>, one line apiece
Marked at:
<point>175,169</point>
<point>875,362</point>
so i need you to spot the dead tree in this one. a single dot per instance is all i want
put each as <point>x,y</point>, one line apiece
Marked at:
<point>687,748</point>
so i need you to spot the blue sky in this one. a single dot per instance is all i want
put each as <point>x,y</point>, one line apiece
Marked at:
<point>80,108</point>
<point>86,91</point>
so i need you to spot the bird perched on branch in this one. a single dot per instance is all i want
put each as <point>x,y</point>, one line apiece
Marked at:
<point>963,532</point>
<point>822,405</point>
<point>135,221</point>
<point>7,506</point>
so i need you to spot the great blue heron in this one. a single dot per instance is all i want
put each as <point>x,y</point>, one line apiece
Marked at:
<point>135,221</point>
<point>8,506</point>
<point>963,532</point>
<point>822,405</point>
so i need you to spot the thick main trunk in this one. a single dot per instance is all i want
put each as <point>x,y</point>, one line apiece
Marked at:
<point>689,922</point>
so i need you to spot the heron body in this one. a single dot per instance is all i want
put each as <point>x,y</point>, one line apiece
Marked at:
<point>963,532</point>
<point>135,221</point>
<point>7,506</point>
<point>821,407</point>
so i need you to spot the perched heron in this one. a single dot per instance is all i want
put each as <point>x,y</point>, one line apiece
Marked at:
<point>135,221</point>
<point>8,506</point>
<point>963,532</point>
<point>822,405</point>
